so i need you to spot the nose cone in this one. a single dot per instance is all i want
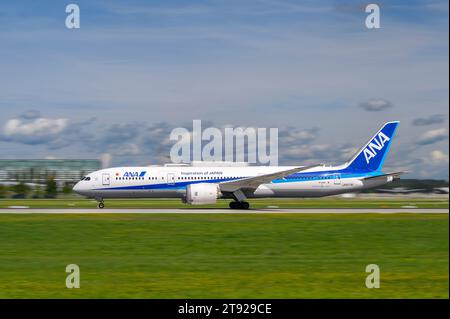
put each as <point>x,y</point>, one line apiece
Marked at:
<point>77,188</point>
<point>81,188</point>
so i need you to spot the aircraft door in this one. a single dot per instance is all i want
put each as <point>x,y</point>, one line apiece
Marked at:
<point>170,178</point>
<point>105,179</point>
<point>337,179</point>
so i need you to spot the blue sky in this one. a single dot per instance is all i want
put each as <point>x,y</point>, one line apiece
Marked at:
<point>137,69</point>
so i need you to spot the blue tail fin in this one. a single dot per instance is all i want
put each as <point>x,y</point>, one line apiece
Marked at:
<point>371,157</point>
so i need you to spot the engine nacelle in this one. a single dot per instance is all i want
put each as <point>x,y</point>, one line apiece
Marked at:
<point>202,194</point>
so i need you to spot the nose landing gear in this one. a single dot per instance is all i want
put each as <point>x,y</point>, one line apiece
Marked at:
<point>101,204</point>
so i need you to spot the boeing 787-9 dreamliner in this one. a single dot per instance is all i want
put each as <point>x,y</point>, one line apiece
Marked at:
<point>202,184</point>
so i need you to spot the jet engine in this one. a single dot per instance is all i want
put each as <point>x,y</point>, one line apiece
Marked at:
<point>202,193</point>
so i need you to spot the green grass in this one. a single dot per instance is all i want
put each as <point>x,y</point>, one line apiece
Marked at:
<point>329,202</point>
<point>224,255</point>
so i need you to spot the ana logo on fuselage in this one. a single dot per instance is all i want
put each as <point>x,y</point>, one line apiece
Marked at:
<point>375,145</point>
<point>134,174</point>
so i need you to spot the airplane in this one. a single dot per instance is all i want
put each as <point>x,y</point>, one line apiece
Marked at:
<point>200,185</point>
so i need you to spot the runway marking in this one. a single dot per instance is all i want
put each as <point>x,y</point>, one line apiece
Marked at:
<point>227,211</point>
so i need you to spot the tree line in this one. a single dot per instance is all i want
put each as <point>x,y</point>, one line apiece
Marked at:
<point>23,190</point>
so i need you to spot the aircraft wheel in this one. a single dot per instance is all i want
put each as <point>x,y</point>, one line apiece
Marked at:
<point>101,205</point>
<point>239,205</point>
<point>233,205</point>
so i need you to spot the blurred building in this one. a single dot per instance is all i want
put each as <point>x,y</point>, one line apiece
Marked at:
<point>62,170</point>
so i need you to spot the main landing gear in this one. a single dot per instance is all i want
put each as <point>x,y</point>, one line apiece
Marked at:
<point>239,205</point>
<point>239,200</point>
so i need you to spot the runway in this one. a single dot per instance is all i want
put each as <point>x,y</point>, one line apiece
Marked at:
<point>226,211</point>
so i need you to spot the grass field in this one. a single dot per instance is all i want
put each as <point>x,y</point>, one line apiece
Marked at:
<point>224,255</point>
<point>328,202</point>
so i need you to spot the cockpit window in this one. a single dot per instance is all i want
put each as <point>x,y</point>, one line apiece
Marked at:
<point>86,178</point>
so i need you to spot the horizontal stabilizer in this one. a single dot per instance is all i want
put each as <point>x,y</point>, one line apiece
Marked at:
<point>395,175</point>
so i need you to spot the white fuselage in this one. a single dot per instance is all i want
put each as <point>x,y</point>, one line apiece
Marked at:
<point>171,181</point>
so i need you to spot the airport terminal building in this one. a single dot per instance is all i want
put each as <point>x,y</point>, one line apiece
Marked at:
<point>39,170</point>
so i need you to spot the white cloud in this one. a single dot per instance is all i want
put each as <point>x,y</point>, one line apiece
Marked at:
<point>376,105</point>
<point>317,154</point>
<point>432,136</point>
<point>439,157</point>
<point>37,131</point>
<point>295,135</point>
<point>128,149</point>
<point>430,120</point>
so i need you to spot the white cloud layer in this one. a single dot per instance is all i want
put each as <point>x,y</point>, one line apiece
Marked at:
<point>433,136</point>
<point>438,157</point>
<point>37,131</point>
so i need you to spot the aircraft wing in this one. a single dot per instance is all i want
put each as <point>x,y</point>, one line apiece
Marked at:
<point>254,182</point>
